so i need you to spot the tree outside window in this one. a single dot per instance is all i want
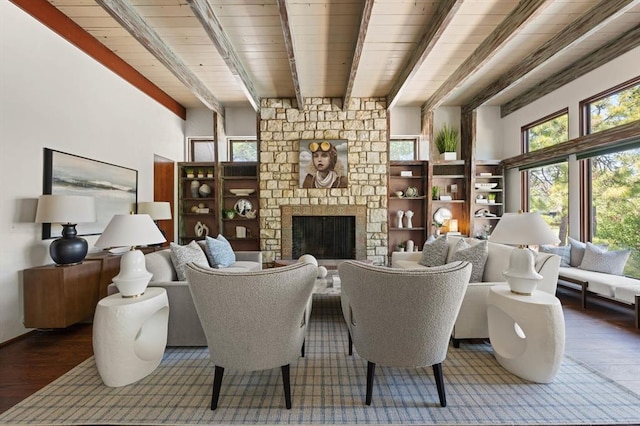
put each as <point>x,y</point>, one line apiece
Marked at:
<point>243,150</point>
<point>402,150</point>
<point>615,177</point>
<point>548,186</point>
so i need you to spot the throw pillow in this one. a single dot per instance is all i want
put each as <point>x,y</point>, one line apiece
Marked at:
<point>563,251</point>
<point>577,251</point>
<point>219,252</point>
<point>181,255</point>
<point>598,259</point>
<point>477,255</point>
<point>434,253</point>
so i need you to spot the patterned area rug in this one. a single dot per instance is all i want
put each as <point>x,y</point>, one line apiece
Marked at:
<point>328,387</point>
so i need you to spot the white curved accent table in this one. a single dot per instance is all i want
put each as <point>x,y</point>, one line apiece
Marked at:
<point>130,335</point>
<point>527,333</point>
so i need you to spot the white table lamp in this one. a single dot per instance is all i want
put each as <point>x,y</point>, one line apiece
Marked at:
<point>67,210</point>
<point>131,230</point>
<point>522,229</point>
<point>158,210</point>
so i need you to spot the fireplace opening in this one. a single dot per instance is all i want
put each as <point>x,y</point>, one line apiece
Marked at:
<point>324,237</point>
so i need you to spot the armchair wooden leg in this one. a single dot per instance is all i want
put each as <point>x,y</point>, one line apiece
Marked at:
<point>302,350</point>
<point>287,385</point>
<point>456,343</point>
<point>217,382</point>
<point>437,372</point>
<point>371,370</point>
<point>350,343</point>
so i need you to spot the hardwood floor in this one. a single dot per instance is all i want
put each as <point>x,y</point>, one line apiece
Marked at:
<point>603,337</point>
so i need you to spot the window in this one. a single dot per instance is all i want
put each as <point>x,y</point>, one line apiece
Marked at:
<point>547,186</point>
<point>202,149</point>
<point>612,178</point>
<point>243,150</point>
<point>403,150</point>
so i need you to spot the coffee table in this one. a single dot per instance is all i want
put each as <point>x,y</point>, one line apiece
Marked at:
<point>328,285</point>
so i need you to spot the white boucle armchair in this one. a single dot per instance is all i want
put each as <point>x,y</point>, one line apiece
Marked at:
<point>253,320</point>
<point>402,318</point>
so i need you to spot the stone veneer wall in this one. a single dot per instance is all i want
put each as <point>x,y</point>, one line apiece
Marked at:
<point>283,125</point>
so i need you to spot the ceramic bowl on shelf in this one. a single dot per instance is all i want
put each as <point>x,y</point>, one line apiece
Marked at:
<point>486,186</point>
<point>242,192</point>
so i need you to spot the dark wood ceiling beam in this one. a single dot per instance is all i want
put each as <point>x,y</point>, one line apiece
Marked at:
<point>589,62</point>
<point>625,133</point>
<point>587,24</point>
<point>126,15</point>
<point>357,53</point>
<point>521,14</point>
<point>443,15</point>
<point>211,24</point>
<point>289,44</point>
<point>58,22</point>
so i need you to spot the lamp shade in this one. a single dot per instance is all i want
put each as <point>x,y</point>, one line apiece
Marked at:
<point>158,210</point>
<point>130,230</point>
<point>523,229</point>
<point>65,209</point>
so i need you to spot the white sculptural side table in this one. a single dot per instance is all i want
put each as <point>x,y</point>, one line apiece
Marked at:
<point>130,335</point>
<point>527,332</point>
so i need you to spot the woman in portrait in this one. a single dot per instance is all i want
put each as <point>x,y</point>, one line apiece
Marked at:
<point>325,169</point>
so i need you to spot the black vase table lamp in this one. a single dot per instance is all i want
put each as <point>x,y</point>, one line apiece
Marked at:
<point>68,211</point>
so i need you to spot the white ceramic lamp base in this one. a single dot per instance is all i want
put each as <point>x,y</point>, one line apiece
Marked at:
<point>133,277</point>
<point>521,275</point>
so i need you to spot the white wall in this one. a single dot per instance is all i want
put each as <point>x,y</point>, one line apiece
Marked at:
<point>611,74</point>
<point>488,133</point>
<point>55,96</point>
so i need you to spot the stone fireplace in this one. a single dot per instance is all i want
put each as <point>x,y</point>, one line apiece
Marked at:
<point>349,243</point>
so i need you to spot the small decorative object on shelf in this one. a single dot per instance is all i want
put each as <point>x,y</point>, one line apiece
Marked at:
<point>230,214</point>
<point>201,229</point>
<point>406,173</point>
<point>399,194</point>
<point>189,173</point>
<point>491,198</point>
<point>410,245</point>
<point>411,191</point>
<point>241,232</point>
<point>204,190</point>
<point>400,246</point>
<point>399,214</point>
<point>195,186</point>
<point>434,192</point>
<point>454,190</point>
<point>251,214</point>
<point>445,198</point>
<point>409,214</point>
<point>436,228</point>
<point>200,173</point>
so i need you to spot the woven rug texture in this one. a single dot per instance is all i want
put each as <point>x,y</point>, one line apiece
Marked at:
<point>328,387</point>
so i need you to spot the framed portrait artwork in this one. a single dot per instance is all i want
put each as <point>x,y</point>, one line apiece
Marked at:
<point>114,188</point>
<point>323,163</point>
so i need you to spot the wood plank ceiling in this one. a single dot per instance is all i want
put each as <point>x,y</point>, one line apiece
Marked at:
<point>428,53</point>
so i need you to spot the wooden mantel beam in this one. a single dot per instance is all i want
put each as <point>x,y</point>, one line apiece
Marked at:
<point>123,12</point>
<point>209,21</point>
<point>357,53</point>
<point>521,14</point>
<point>289,44</point>
<point>443,15</point>
<point>587,24</point>
<point>606,53</point>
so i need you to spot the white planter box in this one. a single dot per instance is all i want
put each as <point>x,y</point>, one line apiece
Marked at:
<point>448,156</point>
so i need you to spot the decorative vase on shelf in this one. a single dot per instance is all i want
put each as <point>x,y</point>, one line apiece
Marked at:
<point>399,214</point>
<point>195,185</point>
<point>409,245</point>
<point>409,214</point>
<point>204,190</point>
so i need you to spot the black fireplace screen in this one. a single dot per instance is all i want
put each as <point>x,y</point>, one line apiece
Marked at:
<point>324,237</point>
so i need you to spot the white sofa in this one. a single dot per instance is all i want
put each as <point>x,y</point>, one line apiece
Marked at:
<point>472,319</point>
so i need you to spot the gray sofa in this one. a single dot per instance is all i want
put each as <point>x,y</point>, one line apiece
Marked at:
<point>184,324</point>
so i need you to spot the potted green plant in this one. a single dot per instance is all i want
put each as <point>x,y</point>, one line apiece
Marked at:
<point>491,198</point>
<point>229,213</point>
<point>401,246</point>
<point>447,142</point>
<point>189,173</point>
<point>434,192</point>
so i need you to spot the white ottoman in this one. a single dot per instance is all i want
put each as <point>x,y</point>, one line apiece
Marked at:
<point>527,332</point>
<point>130,335</point>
